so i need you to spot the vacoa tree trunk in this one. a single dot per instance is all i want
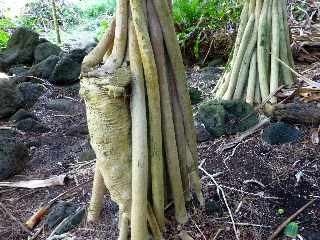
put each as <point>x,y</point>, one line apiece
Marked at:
<point>140,119</point>
<point>262,56</point>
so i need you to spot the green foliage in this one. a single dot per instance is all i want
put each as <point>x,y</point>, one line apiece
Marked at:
<point>4,38</point>
<point>5,26</point>
<point>195,18</point>
<point>38,15</point>
<point>104,24</point>
<point>97,8</point>
<point>280,211</point>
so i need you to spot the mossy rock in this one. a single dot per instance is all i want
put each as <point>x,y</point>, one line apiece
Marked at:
<point>195,95</point>
<point>226,117</point>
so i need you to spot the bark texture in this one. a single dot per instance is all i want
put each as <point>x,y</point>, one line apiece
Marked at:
<point>140,119</point>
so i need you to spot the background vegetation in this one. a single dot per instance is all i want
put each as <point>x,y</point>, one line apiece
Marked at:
<point>203,27</point>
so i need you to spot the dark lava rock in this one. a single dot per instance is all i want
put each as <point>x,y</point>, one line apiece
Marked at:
<point>195,95</point>
<point>279,133</point>
<point>67,70</point>
<point>20,48</point>
<point>31,125</point>
<point>31,92</point>
<point>62,105</point>
<point>202,134</point>
<point>60,211</point>
<point>212,208</point>
<point>22,114</point>
<point>45,68</point>
<point>10,98</point>
<point>226,117</point>
<point>13,155</point>
<point>71,222</point>
<point>45,50</point>
<point>18,70</point>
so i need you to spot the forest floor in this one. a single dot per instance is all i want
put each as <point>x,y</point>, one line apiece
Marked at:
<point>257,179</point>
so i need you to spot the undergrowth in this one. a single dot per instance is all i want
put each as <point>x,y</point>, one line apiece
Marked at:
<point>197,20</point>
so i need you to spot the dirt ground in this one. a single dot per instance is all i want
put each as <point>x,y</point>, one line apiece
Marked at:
<point>255,179</point>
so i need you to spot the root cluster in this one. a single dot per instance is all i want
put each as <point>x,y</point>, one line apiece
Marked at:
<point>161,151</point>
<point>254,70</point>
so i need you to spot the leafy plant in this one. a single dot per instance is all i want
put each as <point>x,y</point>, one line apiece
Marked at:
<point>6,25</point>
<point>97,8</point>
<point>104,24</point>
<point>292,230</point>
<point>197,20</point>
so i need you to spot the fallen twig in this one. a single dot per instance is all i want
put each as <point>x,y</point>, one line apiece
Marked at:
<point>38,183</point>
<point>38,216</point>
<point>185,236</point>
<point>220,190</point>
<point>289,219</point>
<point>23,227</point>
<point>217,234</point>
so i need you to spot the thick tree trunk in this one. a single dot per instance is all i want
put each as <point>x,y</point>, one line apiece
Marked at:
<point>162,141</point>
<point>55,21</point>
<point>263,39</point>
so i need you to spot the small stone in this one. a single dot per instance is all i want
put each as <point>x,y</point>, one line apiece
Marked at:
<point>18,70</point>
<point>22,114</point>
<point>62,105</point>
<point>20,48</point>
<point>71,222</point>
<point>44,68</point>
<point>31,92</point>
<point>31,125</point>
<point>10,98</point>
<point>45,50</point>
<point>13,154</point>
<point>68,68</point>
<point>280,133</point>
<point>60,211</point>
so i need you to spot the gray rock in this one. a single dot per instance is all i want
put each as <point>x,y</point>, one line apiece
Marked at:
<point>31,92</point>
<point>45,50</point>
<point>45,68</point>
<point>71,222</point>
<point>10,98</point>
<point>13,155</point>
<point>202,134</point>
<point>22,114</point>
<point>67,70</point>
<point>62,105</point>
<point>60,211</point>
<point>279,133</point>
<point>20,48</point>
<point>18,70</point>
<point>31,125</point>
